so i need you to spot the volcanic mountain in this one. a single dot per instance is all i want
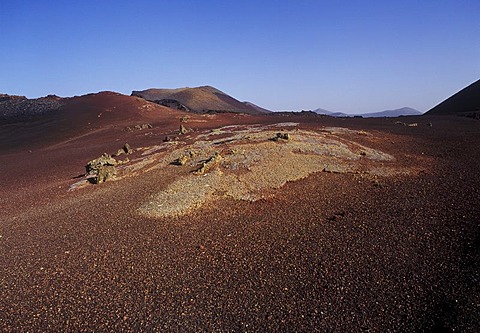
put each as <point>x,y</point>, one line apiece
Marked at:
<point>205,99</point>
<point>465,101</point>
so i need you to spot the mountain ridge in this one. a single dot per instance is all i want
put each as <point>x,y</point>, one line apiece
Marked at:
<point>403,111</point>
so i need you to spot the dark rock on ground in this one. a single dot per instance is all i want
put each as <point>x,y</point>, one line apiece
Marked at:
<point>281,136</point>
<point>138,127</point>
<point>172,103</point>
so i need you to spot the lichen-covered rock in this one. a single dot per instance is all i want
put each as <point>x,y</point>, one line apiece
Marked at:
<point>138,127</point>
<point>209,164</point>
<point>102,168</point>
<point>125,161</point>
<point>281,136</point>
<point>105,172</point>
<point>182,160</point>
<point>126,149</point>
<point>184,130</point>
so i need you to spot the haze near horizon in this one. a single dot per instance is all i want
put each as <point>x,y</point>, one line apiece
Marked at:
<point>281,55</point>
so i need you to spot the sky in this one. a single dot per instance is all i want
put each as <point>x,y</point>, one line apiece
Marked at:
<point>348,56</point>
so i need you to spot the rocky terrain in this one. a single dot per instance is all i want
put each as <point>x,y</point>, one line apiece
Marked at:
<point>120,214</point>
<point>20,108</point>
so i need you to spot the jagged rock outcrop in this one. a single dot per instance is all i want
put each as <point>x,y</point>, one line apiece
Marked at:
<point>209,164</point>
<point>19,108</point>
<point>126,149</point>
<point>172,103</point>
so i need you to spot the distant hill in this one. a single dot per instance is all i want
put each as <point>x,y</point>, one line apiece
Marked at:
<point>405,111</point>
<point>330,113</point>
<point>200,100</point>
<point>465,101</point>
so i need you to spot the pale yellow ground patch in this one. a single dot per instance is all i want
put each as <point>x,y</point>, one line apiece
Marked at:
<point>252,166</point>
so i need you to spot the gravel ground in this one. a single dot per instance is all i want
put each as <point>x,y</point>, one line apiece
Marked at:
<point>331,252</point>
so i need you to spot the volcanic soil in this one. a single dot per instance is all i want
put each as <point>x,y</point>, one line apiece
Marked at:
<point>341,225</point>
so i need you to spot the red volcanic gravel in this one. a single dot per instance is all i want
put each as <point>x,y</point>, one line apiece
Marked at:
<point>331,252</point>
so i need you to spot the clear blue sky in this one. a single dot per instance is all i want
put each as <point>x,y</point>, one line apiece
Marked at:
<point>350,56</point>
